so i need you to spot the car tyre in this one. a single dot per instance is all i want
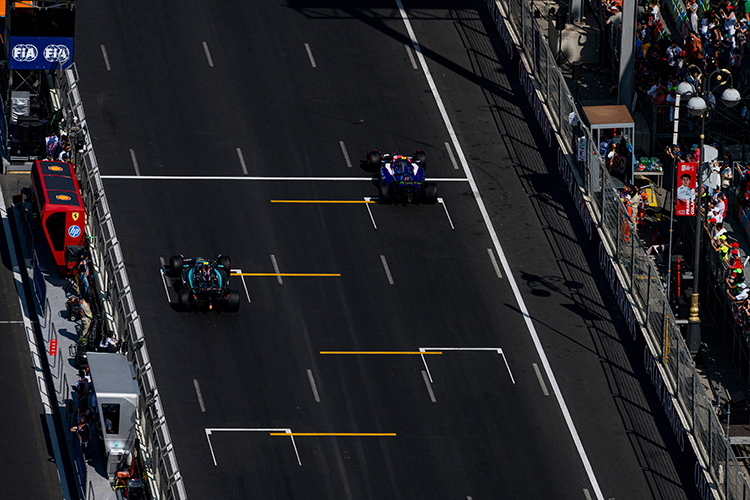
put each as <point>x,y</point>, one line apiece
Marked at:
<point>225,262</point>
<point>373,161</point>
<point>421,158</point>
<point>175,265</point>
<point>232,302</point>
<point>183,301</point>
<point>430,193</point>
<point>385,193</point>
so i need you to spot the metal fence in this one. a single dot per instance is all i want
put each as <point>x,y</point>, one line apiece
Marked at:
<point>637,273</point>
<point>166,481</point>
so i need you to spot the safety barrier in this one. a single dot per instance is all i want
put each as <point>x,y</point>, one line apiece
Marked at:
<point>119,306</point>
<point>633,278</point>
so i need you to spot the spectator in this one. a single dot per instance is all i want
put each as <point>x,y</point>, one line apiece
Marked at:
<point>83,432</point>
<point>673,53</point>
<point>108,343</point>
<point>692,8</point>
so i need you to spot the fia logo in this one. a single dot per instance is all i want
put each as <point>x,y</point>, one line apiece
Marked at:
<point>24,52</point>
<point>54,53</point>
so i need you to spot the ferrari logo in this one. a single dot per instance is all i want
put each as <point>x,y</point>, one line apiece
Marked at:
<point>75,215</point>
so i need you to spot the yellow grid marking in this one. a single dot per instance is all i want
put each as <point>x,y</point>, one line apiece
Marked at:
<point>322,201</point>
<point>380,352</point>
<point>284,274</point>
<point>357,434</point>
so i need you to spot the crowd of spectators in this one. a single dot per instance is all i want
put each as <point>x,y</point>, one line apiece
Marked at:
<point>717,39</point>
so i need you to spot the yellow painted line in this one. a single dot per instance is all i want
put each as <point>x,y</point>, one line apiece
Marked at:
<point>283,274</point>
<point>322,201</point>
<point>380,352</point>
<point>357,434</point>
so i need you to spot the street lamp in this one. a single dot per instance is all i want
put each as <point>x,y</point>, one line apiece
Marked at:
<point>697,106</point>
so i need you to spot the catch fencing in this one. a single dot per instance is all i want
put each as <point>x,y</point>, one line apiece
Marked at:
<point>669,364</point>
<point>166,481</point>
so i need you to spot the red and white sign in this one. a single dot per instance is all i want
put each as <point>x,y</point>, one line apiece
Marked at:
<point>686,178</point>
<point>53,347</point>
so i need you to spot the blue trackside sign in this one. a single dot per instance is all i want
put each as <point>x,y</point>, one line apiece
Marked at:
<point>36,52</point>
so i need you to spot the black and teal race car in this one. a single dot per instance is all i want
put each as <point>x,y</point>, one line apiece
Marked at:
<point>204,284</point>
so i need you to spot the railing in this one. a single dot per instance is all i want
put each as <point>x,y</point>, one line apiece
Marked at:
<point>119,308</point>
<point>643,299</point>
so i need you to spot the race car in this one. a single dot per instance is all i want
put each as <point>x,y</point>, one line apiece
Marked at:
<point>402,178</point>
<point>204,284</point>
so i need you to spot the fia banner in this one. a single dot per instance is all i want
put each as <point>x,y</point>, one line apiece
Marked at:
<point>686,176</point>
<point>38,52</point>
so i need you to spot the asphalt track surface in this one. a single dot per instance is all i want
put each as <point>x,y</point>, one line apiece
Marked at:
<point>28,464</point>
<point>175,88</point>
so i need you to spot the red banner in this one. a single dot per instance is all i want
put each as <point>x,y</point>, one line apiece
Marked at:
<point>53,347</point>
<point>686,177</point>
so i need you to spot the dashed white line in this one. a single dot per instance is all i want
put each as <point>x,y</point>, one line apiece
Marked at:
<point>387,269</point>
<point>586,494</point>
<point>200,395</point>
<point>346,154</point>
<point>309,54</point>
<point>242,161</point>
<point>367,198</point>
<point>494,263</point>
<point>440,200</point>
<point>450,155</point>
<point>506,266</point>
<point>163,279</point>
<point>208,54</point>
<point>429,386</point>
<point>106,58</point>
<point>312,385</point>
<point>276,269</point>
<point>411,57</point>
<point>11,322</point>
<point>135,163</point>
<point>541,380</point>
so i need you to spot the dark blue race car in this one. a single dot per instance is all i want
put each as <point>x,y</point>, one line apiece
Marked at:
<point>204,284</point>
<point>402,178</point>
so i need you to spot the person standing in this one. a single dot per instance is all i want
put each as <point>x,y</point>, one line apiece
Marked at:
<point>86,319</point>
<point>83,432</point>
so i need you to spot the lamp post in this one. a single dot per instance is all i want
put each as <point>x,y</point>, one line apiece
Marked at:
<point>697,107</point>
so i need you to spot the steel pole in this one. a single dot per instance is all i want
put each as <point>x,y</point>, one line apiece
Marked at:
<point>694,325</point>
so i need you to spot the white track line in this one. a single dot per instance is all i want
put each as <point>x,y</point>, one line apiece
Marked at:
<point>429,386</point>
<point>586,494</point>
<point>255,178</point>
<point>440,200</point>
<point>164,282</point>
<point>242,161</point>
<point>36,356</point>
<point>12,322</point>
<point>239,271</point>
<point>387,269</point>
<point>135,163</point>
<point>541,380</point>
<point>494,263</point>
<point>199,394</point>
<point>276,269</point>
<point>450,155</point>
<point>312,385</point>
<point>106,58</point>
<point>309,54</point>
<point>211,431</point>
<point>367,198</point>
<point>411,56</point>
<point>506,267</point>
<point>346,154</point>
<point>208,54</point>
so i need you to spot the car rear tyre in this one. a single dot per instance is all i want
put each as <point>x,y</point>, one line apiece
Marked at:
<point>183,301</point>
<point>430,193</point>
<point>373,161</point>
<point>175,265</point>
<point>225,262</point>
<point>385,193</point>
<point>421,158</point>
<point>232,302</point>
